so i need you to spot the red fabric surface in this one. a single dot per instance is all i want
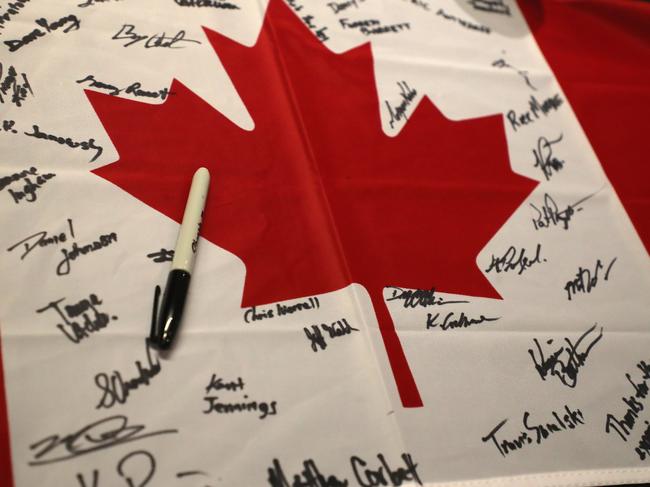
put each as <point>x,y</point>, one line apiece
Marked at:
<point>599,52</point>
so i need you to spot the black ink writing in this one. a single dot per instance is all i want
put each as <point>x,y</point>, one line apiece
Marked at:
<point>16,90</point>
<point>534,434</point>
<point>586,280</point>
<point>93,319</point>
<point>116,390</point>
<point>85,145</point>
<point>565,362</point>
<point>464,23</point>
<point>31,182</point>
<point>99,435</point>
<point>207,3</point>
<point>419,297</point>
<point>336,329</point>
<point>544,158</point>
<point>492,6</point>
<point>398,112</point>
<point>163,255</point>
<point>624,424</point>
<point>513,260</point>
<point>255,313</point>
<point>127,32</point>
<point>535,109</point>
<point>450,321</point>
<point>134,89</point>
<point>549,213</point>
<point>72,22</point>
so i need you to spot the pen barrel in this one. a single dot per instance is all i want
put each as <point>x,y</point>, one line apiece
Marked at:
<point>188,235</point>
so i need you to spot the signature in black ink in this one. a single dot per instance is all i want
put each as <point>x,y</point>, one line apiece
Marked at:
<point>492,6</point>
<point>215,406</point>
<point>163,255</point>
<point>451,322</point>
<point>643,449</point>
<point>550,213</point>
<point>464,23</point>
<point>624,426</point>
<point>337,329</point>
<point>47,27</point>
<point>565,362</point>
<point>340,6</point>
<point>207,3</point>
<point>99,435</point>
<point>85,145</point>
<point>535,109</point>
<point>116,390</point>
<point>308,20</point>
<point>29,188</point>
<point>127,32</point>
<point>502,63</point>
<point>420,3</point>
<point>310,476</point>
<point>419,297</point>
<point>218,384</point>
<point>134,89</point>
<point>265,408</point>
<point>585,280</point>
<point>544,158</point>
<point>88,3</point>
<point>542,431</point>
<point>94,320</point>
<point>256,314</point>
<point>10,85</point>
<point>41,239</point>
<point>399,112</point>
<point>8,126</point>
<point>12,9</point>
<point>382,475</point>
<point>63,268</point>
<point>512,260</point>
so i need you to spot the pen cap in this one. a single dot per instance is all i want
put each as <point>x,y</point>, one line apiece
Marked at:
<point>171,309</point>
<point>188,235</point>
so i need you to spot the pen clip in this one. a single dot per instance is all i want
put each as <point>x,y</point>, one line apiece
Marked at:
<point>154,332</point>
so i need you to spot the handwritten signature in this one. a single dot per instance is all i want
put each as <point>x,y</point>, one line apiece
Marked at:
<point>586,280</point>
<point>127,32</point>
<point>551,215</point>
<point>98,435</point>
<point>565,362</point>
<point>419,297</point>
<point>511,260</point>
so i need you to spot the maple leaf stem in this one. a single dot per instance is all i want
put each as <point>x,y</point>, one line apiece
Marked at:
<point>404,381</point>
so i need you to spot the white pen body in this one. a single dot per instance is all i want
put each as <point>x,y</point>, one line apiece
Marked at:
<point>188,235</point>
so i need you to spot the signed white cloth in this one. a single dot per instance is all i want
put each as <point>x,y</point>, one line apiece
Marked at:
<point>547,386</point>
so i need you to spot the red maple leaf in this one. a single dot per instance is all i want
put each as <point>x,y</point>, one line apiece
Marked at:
<point>317,197</point>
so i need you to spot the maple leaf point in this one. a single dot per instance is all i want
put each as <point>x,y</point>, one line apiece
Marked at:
<point>316,196</point>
